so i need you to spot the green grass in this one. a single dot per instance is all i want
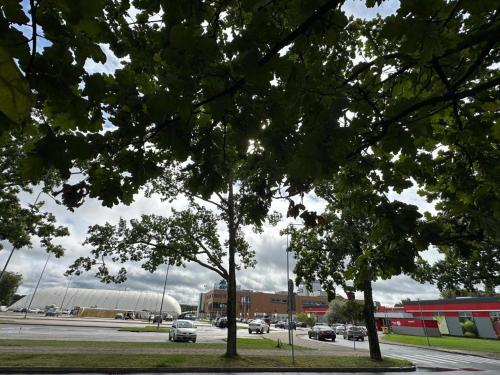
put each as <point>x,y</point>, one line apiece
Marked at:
<point>145,329</point>
<point>458,343</point>
<point>186,361</point>
<point>243,343</point>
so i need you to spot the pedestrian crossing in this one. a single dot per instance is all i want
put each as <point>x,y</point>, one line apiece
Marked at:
<point>445,359</point>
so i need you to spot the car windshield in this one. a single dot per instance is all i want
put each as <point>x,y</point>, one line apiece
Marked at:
<point>184,325</point>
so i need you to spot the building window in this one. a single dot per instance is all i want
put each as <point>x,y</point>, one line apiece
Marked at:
<point>314,304</point>
<point>279,300</point>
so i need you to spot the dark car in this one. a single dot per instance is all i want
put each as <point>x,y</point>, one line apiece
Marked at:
<point>221,322</point>
<point>354,333</point>
<point>322,332</point>
<point>280,325</point>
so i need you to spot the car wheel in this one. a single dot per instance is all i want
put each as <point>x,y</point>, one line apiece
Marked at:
<point>333,340</point>
<point>250,331</point>
<point>267,329</point>
<point>309,336</point>
<point>194,341</point>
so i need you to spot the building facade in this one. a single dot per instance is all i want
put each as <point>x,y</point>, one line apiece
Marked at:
<point>468,317</point>
<point>253,304</point>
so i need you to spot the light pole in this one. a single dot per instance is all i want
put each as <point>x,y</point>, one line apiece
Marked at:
<point>422,321</point>
<point>36,287</point>
<point>66,292</point>
<point>163,296</point>
<point>290,294</point>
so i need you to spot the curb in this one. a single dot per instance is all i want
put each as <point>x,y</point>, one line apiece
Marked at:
<point>132,370</point>
<point>436,348</point>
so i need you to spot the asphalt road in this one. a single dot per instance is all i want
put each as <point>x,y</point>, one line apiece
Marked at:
<point>426,359</point>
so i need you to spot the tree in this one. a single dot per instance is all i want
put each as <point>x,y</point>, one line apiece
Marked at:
<point>191,235</point>
<point>309,88</point>
<point>308,319</point>
<point>353,311</point>
<point>403,302</point>
<point>21,224</point>
<point>334,312</point>
<point>364,236</point>
<point>8,287</point>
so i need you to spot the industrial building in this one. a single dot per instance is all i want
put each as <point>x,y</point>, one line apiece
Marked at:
<point>468,317</point>
<point>100,302</point>
<point>252,304</point>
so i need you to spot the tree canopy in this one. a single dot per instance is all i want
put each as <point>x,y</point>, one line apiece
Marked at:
<point>267,98</point>
<point>9,282</point>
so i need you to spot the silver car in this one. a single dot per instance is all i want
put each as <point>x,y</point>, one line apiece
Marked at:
<point>182,330</point>
<point>258,326</point>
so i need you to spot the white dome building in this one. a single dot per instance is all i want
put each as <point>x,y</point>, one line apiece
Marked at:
<point>102,299</point>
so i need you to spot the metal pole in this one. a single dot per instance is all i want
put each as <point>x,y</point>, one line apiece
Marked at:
<point>422,320</point>
<point>163,296</point>
<point>66,292</point>
<point>36,287</point>
<point>290,333</point>
<point>7,263</point>
<point>288,291</point>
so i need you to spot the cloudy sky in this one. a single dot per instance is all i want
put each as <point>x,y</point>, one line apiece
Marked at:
<point>185,284</point>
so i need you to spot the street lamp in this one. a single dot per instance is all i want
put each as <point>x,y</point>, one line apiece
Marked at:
<point>290,293</point>
<point>36,287</point>
<point>66,292</point>
<point>163,296</point>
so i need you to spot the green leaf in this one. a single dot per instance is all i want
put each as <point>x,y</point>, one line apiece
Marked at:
<point>15,100</point>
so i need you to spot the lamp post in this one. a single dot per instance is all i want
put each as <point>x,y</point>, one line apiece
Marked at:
<point>422,321</point>
<point>290,294</point>
<point>163,296</point>
<point>66,292</point>
<point>36,287</point>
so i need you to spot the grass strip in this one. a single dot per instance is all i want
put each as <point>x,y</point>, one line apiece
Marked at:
<point>446,342</point>
<point>187,361</point>
<point>145,329</point>
<point>243,343</point>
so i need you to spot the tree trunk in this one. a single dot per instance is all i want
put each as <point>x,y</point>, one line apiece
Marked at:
<point>231,282</point>
<point>371,328</point>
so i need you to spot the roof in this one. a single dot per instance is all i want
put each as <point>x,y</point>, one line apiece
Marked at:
<point>455,301</point>
<point>100,298</point>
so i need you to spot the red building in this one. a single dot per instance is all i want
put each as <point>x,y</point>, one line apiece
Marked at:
<point>470,317</point>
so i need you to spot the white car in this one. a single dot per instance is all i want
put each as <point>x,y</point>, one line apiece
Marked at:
<point>258,325</point>
<point>182,330</point>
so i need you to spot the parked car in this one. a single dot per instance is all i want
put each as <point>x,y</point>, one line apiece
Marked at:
<point>259,326</point>
<point>354,333</point>
<point>301,324</point>
<point>280,324</point>
<point>293,325</point>
<point>3,308</point>
<point>321,332</point>
<point>185,316</point>
<point>157,319</point>
<point>52,312</point>
<point>221,322</point>
<point>119,316</point>
<point>339,330</point>
<point>35,310</point>
<point>365,331</point>
<point>182,330</point>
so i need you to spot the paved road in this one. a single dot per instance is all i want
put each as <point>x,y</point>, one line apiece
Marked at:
<point>422,357</point>
<point>425,359</point>
<point>43,332</point>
